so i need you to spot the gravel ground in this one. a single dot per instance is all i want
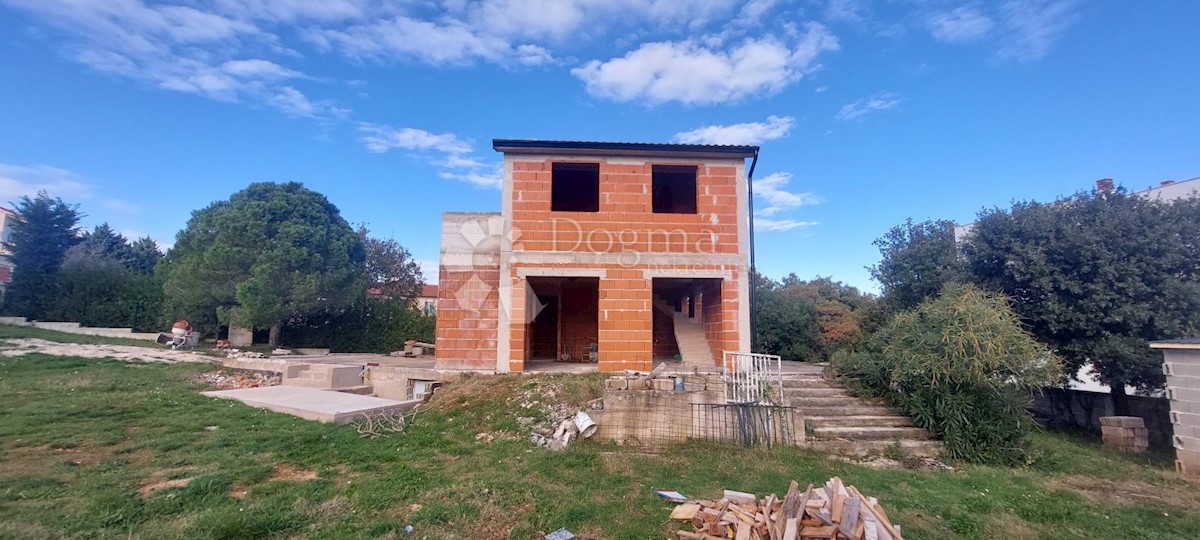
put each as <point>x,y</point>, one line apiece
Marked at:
<point>22,346</point>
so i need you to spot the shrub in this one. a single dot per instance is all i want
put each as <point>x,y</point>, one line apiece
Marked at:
<point>962,367</point>
<point>106,293</point>
<point>368,325</point>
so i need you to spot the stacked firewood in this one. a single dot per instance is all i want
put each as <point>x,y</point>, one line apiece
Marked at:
<point>833,511</point>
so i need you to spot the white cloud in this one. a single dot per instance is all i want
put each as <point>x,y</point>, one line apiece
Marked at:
<point>780,225</point>
<point>449,42</point>
<point>381,138</point>
<point>198,50</point>
<point>753,11</point>
<point>878,102</point>
<point>27,180</point>
<point>960,25</point>
<point>292,102</point>
<point>493,179</point>
<point>18,181</point>
<point>696,74</point>
<point>1033,26</point>
<point>846,10</point>
<point>776,127</point>
<point>772,189</point>
<point>258,68</point>
<point>450,152</point>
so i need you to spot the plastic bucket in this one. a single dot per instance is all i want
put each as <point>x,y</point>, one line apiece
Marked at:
<point>585,424</point>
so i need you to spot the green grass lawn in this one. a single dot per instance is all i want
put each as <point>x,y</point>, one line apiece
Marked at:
<point>84,444</point>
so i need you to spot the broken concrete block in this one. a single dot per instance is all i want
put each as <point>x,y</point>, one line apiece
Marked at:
<point>663,384</point>
<point>617,383</point>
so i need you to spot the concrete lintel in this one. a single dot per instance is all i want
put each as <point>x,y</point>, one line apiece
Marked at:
<point>562,272</point>
<point>684,273</point>
<point>629,259</point>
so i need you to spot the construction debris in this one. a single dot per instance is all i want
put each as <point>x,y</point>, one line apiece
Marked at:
<point>834,511</point>
<point>655,380</point>
<point>225,380</point>
<point>234,353</point>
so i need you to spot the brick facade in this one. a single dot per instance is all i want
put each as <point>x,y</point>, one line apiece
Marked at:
<point>623,247</point>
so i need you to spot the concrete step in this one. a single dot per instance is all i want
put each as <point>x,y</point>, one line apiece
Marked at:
<point>877,448</point>
<point>807,382</point>
<point>857,421</point>
<point>305,382</point>
<point>842,410</point>
<point>815,391</point>
<point>826,401</point>
<point>870,433</point>
<point>362,389</point>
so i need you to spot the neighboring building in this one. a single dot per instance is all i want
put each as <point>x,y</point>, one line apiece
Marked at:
<point>427,300</point>
<point>7,217</point>
<point>614,253</point>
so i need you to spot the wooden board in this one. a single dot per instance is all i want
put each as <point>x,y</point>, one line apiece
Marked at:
<point>685,512</point>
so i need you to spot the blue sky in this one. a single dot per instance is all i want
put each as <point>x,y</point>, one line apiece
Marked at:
<point>867,112</point>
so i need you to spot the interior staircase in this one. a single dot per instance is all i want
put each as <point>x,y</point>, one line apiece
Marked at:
<point>693,343</point>
<point>839,423</point>
<point>336,377</point>
<point>689,336</point>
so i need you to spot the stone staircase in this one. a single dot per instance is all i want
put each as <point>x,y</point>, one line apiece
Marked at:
<point>839,423</point>
<point>693,343</point>
<point>337,377</point>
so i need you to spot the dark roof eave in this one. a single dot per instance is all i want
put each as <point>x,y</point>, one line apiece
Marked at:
<point>525,146</point>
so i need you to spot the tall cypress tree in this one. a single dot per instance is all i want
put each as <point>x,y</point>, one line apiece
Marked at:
<point>44,230</point>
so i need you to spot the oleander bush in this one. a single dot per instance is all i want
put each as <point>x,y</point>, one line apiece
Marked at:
<point>962,366</point>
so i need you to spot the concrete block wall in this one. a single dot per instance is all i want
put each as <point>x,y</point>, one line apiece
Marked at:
<point>1182,367</point>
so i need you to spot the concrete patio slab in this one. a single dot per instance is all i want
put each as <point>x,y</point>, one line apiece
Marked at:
<point>312,404</point>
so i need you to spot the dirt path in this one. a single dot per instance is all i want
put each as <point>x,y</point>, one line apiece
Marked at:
<point>22,346</point>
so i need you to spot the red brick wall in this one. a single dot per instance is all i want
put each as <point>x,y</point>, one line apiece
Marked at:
<point>467,317</point>
<point>720,315</point>
<point>625,222</point>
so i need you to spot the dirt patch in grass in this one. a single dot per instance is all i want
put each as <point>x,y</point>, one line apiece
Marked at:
<point>161,479</point>
<point>33,457</point>
<point>150,489</point>
<point>288,473</point>
<point>1128,492</point>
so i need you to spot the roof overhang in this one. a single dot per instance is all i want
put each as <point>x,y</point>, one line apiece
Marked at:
<point>585,148</point>
<point>1187,343</point>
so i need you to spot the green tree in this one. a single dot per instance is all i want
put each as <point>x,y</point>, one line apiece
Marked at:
<point>145,254</point>
<point>391,268</point>
<point>269,253</point>
<point>44,230</point>
<point>785,325</point>
<point>1097,276</point>
<point>918,260</point>
<point>960,365</point>
<point>843,311</point>
<point>102,243</point>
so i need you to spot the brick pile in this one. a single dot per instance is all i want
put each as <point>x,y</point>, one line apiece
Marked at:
<point>1125,433</point>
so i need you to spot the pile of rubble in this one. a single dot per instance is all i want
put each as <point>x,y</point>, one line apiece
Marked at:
<point>234,353</point>
<point>224,380</point>
<point>833,511</point>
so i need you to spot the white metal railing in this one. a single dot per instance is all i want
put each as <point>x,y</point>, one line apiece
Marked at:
<point>752,378</point>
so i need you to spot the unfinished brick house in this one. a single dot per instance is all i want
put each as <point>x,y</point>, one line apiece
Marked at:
<point>618,254</point>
